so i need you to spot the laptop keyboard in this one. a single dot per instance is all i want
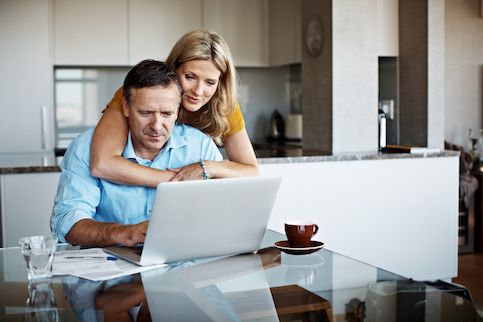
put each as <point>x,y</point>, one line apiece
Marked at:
<point>139,250</point>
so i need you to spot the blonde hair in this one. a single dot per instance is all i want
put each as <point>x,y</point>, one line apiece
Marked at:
<point>202,44</point>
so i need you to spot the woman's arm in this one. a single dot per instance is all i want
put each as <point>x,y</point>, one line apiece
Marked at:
<point>107,162</point>
<point>241,162</point>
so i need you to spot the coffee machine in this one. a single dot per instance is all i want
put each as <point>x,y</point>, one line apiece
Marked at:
<point>382,130</point>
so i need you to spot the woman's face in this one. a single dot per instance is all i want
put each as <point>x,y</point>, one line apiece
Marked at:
<point>199,80</point>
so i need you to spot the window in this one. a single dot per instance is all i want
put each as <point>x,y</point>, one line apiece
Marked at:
<point>80,96</point>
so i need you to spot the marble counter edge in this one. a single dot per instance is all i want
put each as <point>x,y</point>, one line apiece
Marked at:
<point>357,157</point>
<point>301,159</point>
<point>29,169</point>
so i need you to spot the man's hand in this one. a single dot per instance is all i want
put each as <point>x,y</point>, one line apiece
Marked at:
<point>89,232</point>
<point>131,235</point>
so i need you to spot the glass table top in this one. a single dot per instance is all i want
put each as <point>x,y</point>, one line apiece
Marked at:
<point>266,286</point>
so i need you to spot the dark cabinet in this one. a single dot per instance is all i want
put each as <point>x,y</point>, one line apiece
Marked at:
<point>466,226</point>
<point>476,224</point>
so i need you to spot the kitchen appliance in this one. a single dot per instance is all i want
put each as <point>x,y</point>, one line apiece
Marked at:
<point>293,127</point>
<point>382,129</point>
<point>276,129</point>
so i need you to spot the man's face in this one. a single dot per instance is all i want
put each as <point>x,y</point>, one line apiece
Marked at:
<point>152,114</point>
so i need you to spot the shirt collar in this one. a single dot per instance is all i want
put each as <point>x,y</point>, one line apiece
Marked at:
<point>175,141</point>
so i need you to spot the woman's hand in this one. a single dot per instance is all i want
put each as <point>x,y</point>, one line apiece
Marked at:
<point>190,172</point>
<point>242,162</point>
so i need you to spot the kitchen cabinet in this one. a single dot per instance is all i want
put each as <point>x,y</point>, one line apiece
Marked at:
<point>388,28</point>
<point>260,33</point>
<point>26,201</point>
<point>244,26</point>
<point>156,25</point>
<point>27,120</point>
<point>285,32</point>
<point>90,32</point>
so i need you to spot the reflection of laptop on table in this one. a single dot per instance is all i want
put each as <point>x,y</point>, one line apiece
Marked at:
<point>201,292</point>
<point>195,219</point>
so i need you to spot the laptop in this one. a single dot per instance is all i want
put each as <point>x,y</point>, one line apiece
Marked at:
<point>204,218</point>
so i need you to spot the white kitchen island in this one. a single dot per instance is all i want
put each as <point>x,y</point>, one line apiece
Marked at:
<point>398,212</point>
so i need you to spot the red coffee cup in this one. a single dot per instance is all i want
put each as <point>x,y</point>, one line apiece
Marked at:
<point>299,233</point>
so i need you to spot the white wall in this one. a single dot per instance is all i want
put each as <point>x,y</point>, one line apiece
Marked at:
<point>355,72</point>
<point>464,69</point>
<point>397,214</point>
<point>436,84</point>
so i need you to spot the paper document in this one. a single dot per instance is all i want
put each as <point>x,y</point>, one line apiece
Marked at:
<point>94,264</point>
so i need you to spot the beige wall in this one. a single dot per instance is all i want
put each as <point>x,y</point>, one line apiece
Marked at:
<point>464,69</point>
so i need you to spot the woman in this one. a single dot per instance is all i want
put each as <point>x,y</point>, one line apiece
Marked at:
<point>206,73</point>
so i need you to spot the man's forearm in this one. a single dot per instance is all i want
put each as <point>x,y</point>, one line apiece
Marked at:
<point>88,232</point>
<point>92,233</point>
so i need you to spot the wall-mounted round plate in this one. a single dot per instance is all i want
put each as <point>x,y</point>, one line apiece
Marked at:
<point>313,36</point>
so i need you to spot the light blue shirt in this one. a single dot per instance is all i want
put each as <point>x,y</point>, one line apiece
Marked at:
<point>81,196</point>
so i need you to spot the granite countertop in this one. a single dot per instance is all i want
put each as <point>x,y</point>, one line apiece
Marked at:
<point>37,163</point>
<point>312,156</point>
<point>29,163</point>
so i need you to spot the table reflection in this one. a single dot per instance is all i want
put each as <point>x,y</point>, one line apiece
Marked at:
<point>41,300</point>
<point>124,302</point>
<point>217,290</point>
<point>267,286</point>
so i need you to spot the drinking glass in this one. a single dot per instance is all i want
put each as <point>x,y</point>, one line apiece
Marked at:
<point>38,252</point>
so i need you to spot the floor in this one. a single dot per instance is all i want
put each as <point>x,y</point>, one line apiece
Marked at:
<point>470,275</point>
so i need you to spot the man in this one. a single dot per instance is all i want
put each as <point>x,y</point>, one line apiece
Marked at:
<point>94,212</point>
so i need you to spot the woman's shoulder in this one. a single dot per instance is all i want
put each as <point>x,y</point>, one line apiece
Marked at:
<point>116,101</point>
<point>236,121</point>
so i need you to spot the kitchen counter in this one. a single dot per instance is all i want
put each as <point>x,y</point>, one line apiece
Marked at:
<point>300,155</point>
<point>29,163</point>
<point>33,163</point>
<point>272,151</point>
<point>367,199</point>
<point>371,206</point>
